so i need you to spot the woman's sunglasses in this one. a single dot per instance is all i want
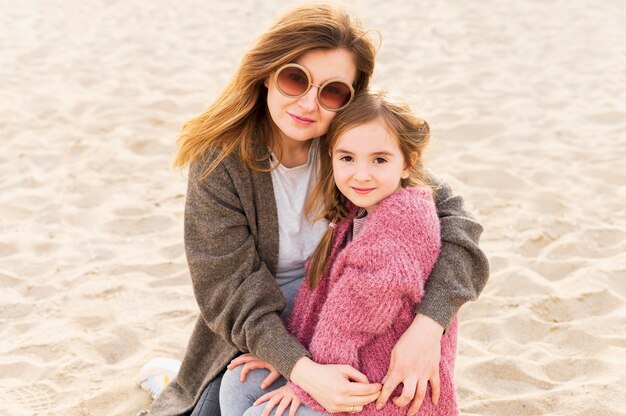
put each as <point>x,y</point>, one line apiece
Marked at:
<point>294,81</point>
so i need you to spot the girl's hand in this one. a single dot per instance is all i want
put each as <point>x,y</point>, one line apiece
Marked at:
<point>282,397</point>
<point>251,362</point>
<point>414,363</point>
<point>337,388</point>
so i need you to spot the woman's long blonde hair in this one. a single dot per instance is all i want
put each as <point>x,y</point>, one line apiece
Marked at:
<point>238,120</point>
<point>325,200</point>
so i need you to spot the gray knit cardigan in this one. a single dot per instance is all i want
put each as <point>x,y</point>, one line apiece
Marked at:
<point>231,242</point>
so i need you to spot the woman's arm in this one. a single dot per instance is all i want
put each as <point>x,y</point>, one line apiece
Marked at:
<point>237,294</point>
<point>459,275</point>
<point>462,268</point>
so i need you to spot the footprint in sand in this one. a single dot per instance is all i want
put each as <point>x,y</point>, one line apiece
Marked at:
<point>119,344</point>
<point>139,226</point>
<point>555,270</point>
<point>580,368</point>
<point>173,252</point>
<point>36,399</point>
<point>608,117</point>
<point>7,249</point>
<point>473,132</point>
<point>583,306</point>
<point>512,376</point>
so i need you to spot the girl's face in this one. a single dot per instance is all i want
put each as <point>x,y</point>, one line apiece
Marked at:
<point>368,164</point>
<point>301,119</point>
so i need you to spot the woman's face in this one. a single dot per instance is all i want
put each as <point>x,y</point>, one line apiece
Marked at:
<point>301,119</point>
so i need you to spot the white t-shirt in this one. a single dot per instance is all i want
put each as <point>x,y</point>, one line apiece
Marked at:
<point>298,236</point>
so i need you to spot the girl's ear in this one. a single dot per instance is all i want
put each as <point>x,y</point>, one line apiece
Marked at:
<point>406,172</point>
<point>266,82</point>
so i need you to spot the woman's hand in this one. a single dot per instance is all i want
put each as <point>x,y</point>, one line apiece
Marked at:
<point>414,362</point>
<point>251,362</point>
<point>337,388</point>
<point>283,397</point>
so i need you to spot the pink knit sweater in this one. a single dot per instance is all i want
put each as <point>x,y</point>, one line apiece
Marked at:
<point>361,308</point>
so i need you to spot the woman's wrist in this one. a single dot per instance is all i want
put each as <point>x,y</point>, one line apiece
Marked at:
<point>302,367</point>
<point>426,326</point>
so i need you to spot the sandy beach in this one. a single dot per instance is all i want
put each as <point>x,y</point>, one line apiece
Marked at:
<point>527,101</point>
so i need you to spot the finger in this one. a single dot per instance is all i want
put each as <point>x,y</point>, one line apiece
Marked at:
<point>294,406</point>
<point>388,388</point>
<point>359,384</point>
<point>282,406</point>
<point>419,398</point>
<point>271,405</point>
<point>435,388</point>
<point>354,375</point>
<point>354,409</point>
<point>408,392</point>
<point>242,359</point>
<point>245,370</point>
<point>389,371</point>
<point>362,400</point>
<point>270,379</point>
<point>253,365</point>
<point>265,397</point>
<point>362,389</point>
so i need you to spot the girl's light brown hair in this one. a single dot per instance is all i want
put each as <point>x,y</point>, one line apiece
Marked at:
<point>238,120</point>
<point>325,201</point>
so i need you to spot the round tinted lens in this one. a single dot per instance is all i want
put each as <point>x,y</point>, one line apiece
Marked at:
<point>292,81</point>
<point>335,95</point>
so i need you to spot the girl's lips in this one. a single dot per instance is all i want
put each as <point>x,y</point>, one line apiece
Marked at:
<point>303,121</point>
<point>363,191</point>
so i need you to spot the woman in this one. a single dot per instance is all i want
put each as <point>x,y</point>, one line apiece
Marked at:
<point>367,273</point>
<point>252,161</point>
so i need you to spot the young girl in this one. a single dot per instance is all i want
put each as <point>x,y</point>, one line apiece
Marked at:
<point>368,272</point>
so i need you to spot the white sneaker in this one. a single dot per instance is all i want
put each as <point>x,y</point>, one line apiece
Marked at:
<point>156,374</point>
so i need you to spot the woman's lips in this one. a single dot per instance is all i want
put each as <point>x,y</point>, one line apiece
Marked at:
<point>362,191</point>
<point>303,121</point>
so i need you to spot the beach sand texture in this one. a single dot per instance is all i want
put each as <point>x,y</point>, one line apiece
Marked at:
<point>527,100</point>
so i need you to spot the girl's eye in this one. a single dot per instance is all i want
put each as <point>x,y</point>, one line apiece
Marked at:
<point>380,160</point>
<point>346,158</point>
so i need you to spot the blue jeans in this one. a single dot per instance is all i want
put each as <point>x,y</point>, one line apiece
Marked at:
<point>208,404</point>
<point>236,398</point>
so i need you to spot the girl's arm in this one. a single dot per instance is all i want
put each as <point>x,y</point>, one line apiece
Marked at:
<point>237,294</point>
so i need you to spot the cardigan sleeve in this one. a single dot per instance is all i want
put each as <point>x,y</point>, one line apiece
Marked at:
<point>237,294</point>
<point>370,298</point>
<point>462,268</point>
<point>359,307</point>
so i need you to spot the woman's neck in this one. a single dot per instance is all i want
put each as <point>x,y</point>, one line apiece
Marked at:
<point>294,153</point>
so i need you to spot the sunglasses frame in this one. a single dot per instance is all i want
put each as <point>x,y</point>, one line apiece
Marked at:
<point>311,84</point>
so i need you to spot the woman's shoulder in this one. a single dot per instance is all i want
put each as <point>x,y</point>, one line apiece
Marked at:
<point>213,165</point>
